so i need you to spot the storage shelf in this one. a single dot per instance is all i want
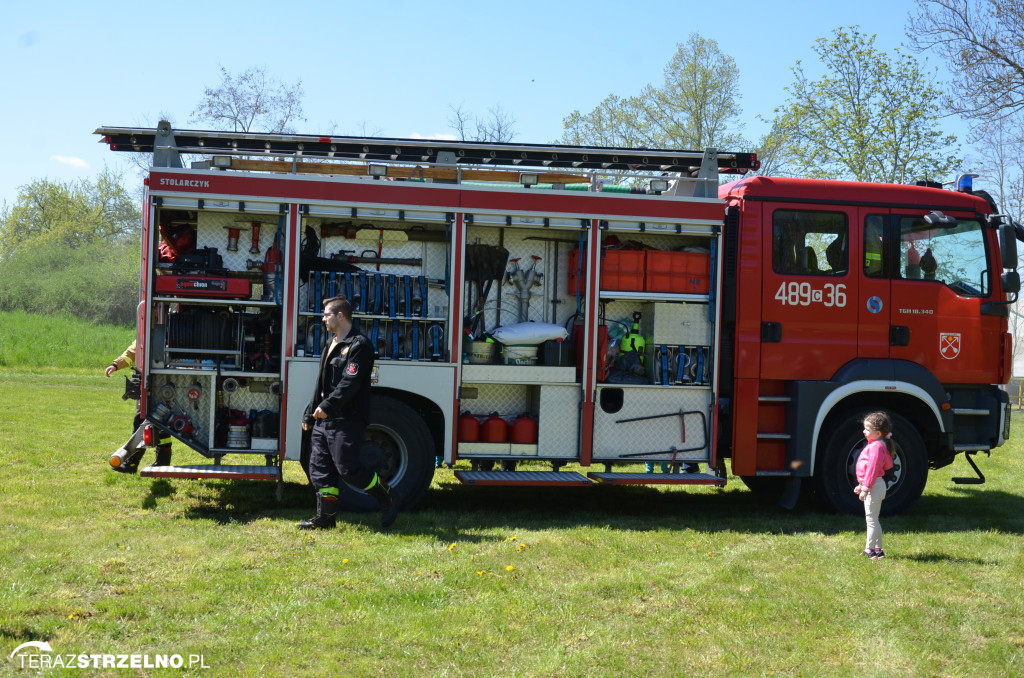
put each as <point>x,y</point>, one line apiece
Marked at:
<point>700,387</point>
<point>218,451</point>
<point>211,370</point>
<point>368,316</point>
<point>517,374</point>
<point>216,301</point>
<point>654,296</point>
<point>211,351</point>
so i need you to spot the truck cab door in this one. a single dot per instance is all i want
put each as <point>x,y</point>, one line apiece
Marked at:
<point>809,321</point>
<point>940,282</point>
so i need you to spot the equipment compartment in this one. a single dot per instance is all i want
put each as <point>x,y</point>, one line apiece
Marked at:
<point>393,270</point>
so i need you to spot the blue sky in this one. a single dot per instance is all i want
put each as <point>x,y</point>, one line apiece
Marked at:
<point>395,67</point>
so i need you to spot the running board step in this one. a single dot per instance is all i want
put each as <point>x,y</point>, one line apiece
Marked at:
<point>522,478</point>
<point>229,472</point>
<point>657,479</point>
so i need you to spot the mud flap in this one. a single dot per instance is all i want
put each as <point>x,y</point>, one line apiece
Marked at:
<point>790,494</point>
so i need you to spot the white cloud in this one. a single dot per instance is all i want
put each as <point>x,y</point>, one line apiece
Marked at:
<point>70,161</point>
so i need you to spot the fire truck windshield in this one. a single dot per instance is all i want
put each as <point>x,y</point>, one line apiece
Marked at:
<point>955,256</point>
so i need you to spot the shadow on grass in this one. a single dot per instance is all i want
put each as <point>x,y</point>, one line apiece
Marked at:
<point>245,501</point>
<point>450,508</point>
<point>942,558</point>
<point>19,635</point>
<point>159,489</point>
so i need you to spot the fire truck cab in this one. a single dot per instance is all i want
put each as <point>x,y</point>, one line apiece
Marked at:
<point>854,297</point>
<point>527,315</point>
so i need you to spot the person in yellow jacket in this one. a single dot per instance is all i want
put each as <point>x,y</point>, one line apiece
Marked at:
<point>163,450</point>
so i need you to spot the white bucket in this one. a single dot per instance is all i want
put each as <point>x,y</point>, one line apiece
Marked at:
<point>481,352</point>
<point>520,354</point>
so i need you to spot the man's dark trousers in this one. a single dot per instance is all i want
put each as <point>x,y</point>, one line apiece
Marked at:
<point>334,454</point>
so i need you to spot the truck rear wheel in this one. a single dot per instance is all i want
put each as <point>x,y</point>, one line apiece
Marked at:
<point>399,447</point>
<point>835,474</point>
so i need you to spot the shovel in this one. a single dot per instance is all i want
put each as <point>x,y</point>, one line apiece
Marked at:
<point>484,265</point>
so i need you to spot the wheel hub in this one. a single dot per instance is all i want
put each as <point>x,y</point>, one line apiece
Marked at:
<point>386,456</point>
<point>851,465</point>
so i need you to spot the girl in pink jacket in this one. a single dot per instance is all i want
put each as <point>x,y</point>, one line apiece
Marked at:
<point>874,460</point>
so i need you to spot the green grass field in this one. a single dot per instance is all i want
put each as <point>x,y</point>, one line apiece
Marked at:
<point>597,581</point>
<point>34,341</point>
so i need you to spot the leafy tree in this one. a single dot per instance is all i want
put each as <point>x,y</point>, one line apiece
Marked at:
<point>772,150</point>
<point>982,42</point>
<point>251,102</point>
<point>69,214</point>
<point>869,117</point>
<point>72,247</point>
<point>98,281</point>
<point>696,107</point>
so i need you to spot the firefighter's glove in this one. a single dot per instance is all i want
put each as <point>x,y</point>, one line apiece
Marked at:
<point>133,386</point>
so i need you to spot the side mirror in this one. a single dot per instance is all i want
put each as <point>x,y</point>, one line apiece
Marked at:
<point>1008,245</point>
<point>1011,282</point>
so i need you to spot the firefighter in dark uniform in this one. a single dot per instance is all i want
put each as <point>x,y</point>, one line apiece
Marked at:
<point>338,415</point>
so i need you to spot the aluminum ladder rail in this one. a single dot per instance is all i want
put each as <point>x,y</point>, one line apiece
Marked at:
<point>416,151</point>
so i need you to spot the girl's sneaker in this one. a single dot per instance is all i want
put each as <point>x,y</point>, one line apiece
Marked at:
<point>868,552</point>
<point>878,553</point>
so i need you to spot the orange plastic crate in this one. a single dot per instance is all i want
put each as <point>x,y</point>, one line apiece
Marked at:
<point>677,272</point>
<point>621,270</point>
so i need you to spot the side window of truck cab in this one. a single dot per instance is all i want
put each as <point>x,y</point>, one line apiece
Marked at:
<point>810,243</point>
<point>952,255</point>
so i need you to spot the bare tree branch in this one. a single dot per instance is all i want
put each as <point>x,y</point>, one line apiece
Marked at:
<point>250,102</point>
<point>982,42</point>
<point>499,125</point>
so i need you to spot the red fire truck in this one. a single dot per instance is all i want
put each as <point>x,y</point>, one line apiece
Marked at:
<point>525,310</point>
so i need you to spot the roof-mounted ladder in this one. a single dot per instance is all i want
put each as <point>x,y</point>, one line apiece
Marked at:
<point>168,145</point>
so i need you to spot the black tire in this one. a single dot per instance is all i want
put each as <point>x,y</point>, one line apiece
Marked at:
<point>835,474</point>
<point>399,447</point>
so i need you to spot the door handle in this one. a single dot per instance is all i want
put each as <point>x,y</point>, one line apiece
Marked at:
<point>899,335</point>
<point>771,332</point>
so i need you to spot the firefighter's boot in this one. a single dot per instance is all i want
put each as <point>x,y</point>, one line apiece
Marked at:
<point>163,452</point>
<point>386,497</point>
<point>326,510</point>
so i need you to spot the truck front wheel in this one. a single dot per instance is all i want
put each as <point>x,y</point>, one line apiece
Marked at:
<point>835,473</point>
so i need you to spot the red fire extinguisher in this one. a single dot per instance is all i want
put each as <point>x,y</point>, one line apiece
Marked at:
<point>469,428</point>
<point>524,430</point>
<point>494,429</point>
